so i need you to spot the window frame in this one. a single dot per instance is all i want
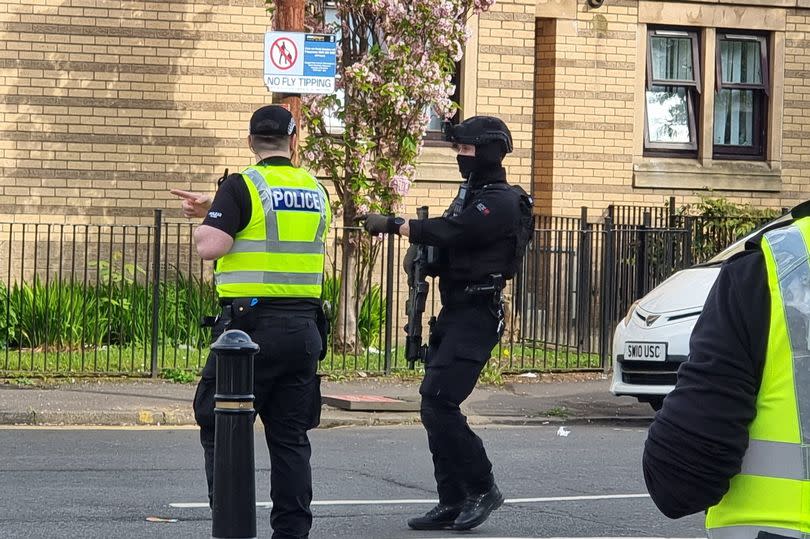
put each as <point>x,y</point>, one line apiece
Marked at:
<point>692,87</point>
<point>763,62</point>
<point>762,93</point>
<point>693,36</point>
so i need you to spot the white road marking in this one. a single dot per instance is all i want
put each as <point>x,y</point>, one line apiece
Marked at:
<point>200,505</point>
<point>99,427</point>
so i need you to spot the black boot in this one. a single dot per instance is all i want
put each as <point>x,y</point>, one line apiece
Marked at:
<point>440,517</point>
<point>477,508</point>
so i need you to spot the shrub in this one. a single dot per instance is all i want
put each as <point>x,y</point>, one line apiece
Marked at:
<point>371,318</point>
<point>114,311</point>
<point>717,222</point>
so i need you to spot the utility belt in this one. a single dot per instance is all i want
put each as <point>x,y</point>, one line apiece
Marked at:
<point>493,287</point>
<point>235,314</point>
<point>488,293</point>
<point>280,304</point>
<point>237,308</point>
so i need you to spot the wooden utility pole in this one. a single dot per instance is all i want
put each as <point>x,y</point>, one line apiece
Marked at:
<point>289,17</point>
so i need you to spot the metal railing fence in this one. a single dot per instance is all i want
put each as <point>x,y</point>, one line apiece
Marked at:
<point>101,298</point>
<point>128,299</point>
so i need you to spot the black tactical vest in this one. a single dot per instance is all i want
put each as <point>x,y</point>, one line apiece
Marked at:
<point>502,249</point>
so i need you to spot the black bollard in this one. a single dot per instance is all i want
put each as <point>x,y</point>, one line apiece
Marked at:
<point>234,512</point>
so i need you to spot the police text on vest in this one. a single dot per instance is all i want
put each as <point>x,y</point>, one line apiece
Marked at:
<point>290,199</point>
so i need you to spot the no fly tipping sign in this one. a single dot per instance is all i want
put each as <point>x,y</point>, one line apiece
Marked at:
<point>300,63</point>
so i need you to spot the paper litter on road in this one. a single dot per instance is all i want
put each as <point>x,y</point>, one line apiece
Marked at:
<point>527,375</point>
<point>562,431</point>
<point>160,519</point>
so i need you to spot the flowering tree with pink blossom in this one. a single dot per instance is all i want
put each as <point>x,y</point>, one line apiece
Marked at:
<point>396,60</point>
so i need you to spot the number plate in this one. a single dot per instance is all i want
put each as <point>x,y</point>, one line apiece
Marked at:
<point>645,351</point>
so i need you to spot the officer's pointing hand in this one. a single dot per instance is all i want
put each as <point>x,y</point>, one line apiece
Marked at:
<point>194,204</point>
<point>374,223</point>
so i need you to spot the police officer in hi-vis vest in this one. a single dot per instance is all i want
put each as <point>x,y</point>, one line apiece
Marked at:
<point>733,437</point>
<point>266,229</point>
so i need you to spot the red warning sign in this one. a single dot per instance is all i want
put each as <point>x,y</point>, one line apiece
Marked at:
<point>283,53</point>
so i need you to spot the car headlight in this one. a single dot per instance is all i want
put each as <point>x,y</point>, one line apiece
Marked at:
<point>630,312</point>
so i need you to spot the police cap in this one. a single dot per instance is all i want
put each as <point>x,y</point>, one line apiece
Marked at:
<point>478,131</point>
<point>272,121</point>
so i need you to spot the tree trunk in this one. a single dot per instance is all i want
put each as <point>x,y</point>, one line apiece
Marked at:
<point>511,333</point>
<point>346,331</point>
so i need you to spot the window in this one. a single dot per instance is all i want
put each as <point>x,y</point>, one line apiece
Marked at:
<point>434,129</point>
<point>741,100</point>
<point>673,84</point>
<point>709,95</point>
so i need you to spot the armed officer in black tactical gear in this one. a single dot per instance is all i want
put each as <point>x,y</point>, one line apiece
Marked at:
<point>481,240</point>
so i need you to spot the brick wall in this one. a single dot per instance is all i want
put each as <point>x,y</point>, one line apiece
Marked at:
<point>796,145</point>
<point>585,114</point>
<point>585,86</point>
<point>505,77</point>
<point>106,104</point>
<point>545,83</point>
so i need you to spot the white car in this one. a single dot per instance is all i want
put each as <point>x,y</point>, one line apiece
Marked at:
<point>652,341</point>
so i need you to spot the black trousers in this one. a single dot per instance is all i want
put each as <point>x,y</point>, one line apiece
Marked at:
<point>288,401</point>
<point>460,346</point>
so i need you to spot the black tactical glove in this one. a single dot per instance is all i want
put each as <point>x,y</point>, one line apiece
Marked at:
<point>374,223</point>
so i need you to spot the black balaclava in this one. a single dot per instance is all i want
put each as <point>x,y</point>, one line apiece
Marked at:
<point>488,157</point>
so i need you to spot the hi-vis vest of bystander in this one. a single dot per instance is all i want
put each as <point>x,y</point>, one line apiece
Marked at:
<point>280,253</point>
<point>772,491</point>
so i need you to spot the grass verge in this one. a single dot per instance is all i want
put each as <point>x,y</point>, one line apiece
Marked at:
<point>182,363</point>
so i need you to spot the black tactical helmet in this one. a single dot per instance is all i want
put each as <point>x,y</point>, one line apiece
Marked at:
<point>479,130</point>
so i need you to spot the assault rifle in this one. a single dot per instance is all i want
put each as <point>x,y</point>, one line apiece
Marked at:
<point>418,288</point>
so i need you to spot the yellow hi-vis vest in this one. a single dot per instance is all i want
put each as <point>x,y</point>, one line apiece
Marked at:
<point>280,253</point>
<point>772,491</point>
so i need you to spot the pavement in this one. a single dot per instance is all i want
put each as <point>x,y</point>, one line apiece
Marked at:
<point>544,399</point>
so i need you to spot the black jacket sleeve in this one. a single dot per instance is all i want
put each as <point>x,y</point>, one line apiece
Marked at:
<point>230,209</point>
<point>488,218</point>
<point>698,439</point>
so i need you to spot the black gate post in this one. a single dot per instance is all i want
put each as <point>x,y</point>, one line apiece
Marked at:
<point>234,507</point>
<point>389,301</point>
<point>156,292</point>
<point>641,260</point>
<point>687,247</point>
<point>608,292</point>
<point>672,217</point>
<point>582,313</point>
